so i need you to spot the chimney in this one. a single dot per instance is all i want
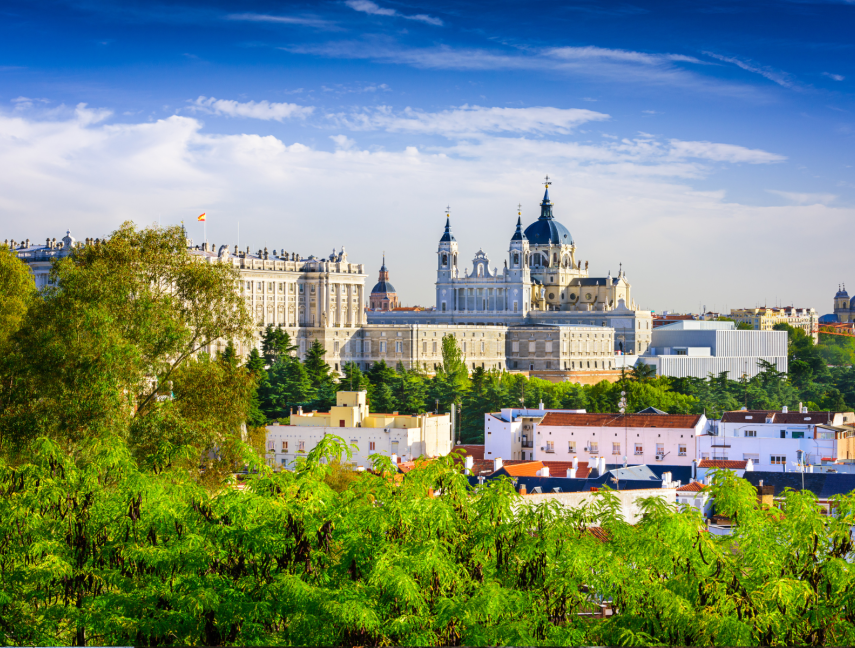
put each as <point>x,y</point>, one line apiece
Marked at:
<point>497,463</point>
<point>766,495</point>
<point>571,473</point>
<point>299,410</point>
<point>544,472</point>
<point>468,464</point>
<point>784,409</point>
<point>749,465</point>
<point>394,458</point>
<point>801,408</point>
<point>602,465</point>
<point>522,489</point>
<point>575,463</point>
<point>541,405</point>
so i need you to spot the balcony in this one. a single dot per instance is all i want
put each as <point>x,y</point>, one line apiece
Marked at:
<point>549,450</point>
<point>639,452</point>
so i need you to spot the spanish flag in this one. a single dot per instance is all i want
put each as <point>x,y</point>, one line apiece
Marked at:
<point>201,217</point>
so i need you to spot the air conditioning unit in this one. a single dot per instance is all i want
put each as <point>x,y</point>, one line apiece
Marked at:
<point>660,457</point>
<point>542,448</point>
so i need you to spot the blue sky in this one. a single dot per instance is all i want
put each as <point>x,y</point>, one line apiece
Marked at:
<point>706,146</point>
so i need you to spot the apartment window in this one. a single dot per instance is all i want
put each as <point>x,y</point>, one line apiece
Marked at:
<point>434,347</point>
<point>260,286</point>
<point>301,446</point>
<point>681,450</point>
<point>639,449</point>
<point>593,448</point>
<point>532,346</point>
<point>660,449</point>
<point>284,446</point>
<point>271,445</point>
<point>780,460</point>
<point>550,446</point>
<point>483,347</point>
<point>751,433</point>
<point>371,445</point>
<point>355,443</point>
<point>382,347</point>
<point>571,447</point>
<point>783,434</point>
<point>549,347</point>
<point>615,448</point>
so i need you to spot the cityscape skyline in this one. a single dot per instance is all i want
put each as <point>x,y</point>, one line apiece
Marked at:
<point>696,146</point>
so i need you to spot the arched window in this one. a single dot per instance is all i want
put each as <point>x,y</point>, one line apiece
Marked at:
<point>554,257</point>
<point>445,259</point>
<point>516,258</point>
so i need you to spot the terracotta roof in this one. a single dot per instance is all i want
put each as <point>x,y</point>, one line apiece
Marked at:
<point>560,419</point>
<point>692,487</point>
<point>760,416</point>
<point>722,463</point>
<point>599,533</point>
<point>474,451</point>
<point>523,469</point>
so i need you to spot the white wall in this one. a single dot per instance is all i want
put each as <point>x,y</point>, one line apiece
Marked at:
<point>630,506</point>
<point>761,448</point>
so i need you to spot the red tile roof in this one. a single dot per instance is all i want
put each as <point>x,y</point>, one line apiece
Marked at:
<point>523,469</point>
<point>722,463</point>
<point>692,487</point>
<point>599,533</point>
<point>474,451</point>
<point>682,421</point>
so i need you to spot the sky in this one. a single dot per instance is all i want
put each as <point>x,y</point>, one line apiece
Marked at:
<point>708,147</point>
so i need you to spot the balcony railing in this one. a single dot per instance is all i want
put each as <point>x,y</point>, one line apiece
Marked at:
<point>550,451</point>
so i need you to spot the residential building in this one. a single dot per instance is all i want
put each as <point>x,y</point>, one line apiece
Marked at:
<point>765,318</point>
<point>775,441</point>
<point>700,348</point>
<point>565,435</point>
<point>399,436</point>
<point>696,496</point>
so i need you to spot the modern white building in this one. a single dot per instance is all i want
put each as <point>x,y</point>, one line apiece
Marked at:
<point>565,435</point>
<point>399,436</point>
<point>698,349</point>
<point>774,441</point>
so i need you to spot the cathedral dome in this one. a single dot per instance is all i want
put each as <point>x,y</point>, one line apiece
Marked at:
<point>841,293</point>
<point>383,287</point>
<point>546,230</point>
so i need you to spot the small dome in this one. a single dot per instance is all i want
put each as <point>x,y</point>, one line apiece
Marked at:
<point>383,287</point>
<point>852,302</point>
<point>841,293</point>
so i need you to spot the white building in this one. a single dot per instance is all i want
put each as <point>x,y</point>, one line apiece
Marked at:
<point>774,441</point>
<point>698,349</point>
<point>695,495</point>
<point>565,435</point>
<point>400,436</point>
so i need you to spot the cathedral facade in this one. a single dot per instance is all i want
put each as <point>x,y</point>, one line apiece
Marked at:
<point>542,283</point>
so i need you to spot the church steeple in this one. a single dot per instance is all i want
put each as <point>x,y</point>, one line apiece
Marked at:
<point>546,205</point>
<point>448,236</point>
<point>518,235</point>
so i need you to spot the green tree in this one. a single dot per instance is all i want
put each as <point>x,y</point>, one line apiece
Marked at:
<point>276,343</point>
<point>17,290</point>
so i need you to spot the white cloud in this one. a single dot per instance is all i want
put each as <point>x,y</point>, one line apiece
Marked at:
<point>466,121</point>
<point>591,53</point>
<point>722,152</point>
<point>366,6</point>
<point>252,109</point>
<point>306,21</point>
<point>624,201</point>
<point>836,77</point>
<point>805,198</point>
<point>776,76</point>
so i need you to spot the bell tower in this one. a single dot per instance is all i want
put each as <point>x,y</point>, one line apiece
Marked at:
<point>518,253</point>
<point>446,268</point>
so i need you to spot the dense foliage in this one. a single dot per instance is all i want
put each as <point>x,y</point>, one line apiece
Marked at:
<point>95,550</point>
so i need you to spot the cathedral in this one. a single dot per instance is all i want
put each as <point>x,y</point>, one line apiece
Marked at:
<point>844,308</point>
<point>541,274</point>
<point>542,282</point>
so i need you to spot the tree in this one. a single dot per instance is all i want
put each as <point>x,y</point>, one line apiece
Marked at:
<point>94,353</point>
<point>17,290</point>
<point>276,343</point>
<point>320,375</point>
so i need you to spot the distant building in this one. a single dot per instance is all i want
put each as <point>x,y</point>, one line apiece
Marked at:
<point>383,295</point>
<point>844,308</point>
<point>698,349</point>
<point>765,318</point>
<point>568,435</point>
<point>399,436</point>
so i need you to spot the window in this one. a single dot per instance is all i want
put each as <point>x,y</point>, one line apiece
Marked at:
<point>301,446</point>
<point>341,423</point>
<point>424,347</point>
<point>593,447</point>
<point>550,446</point>
<point>797,435</point>
<point>549,347</point>
<point>355,443</point>
<point>660,449</point>
<point>681,450</point>
<point>434,347</point>
<point>753,457</point>
<point>615,448</point>
<point>284,446</point>
<point>639,449</point>
<point>531,347</point>
<point>464,347</point>
<point>780,460</point>
<point>515,347</point>
<point>783,434</point>
<point>371,445</point>
<point>399,347</point>
<point>382,347</point>
<point>335,347</point>
<point>571,447</point>
<point>751,433</point>
<point>260,286</point>
<point>483,346</point>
